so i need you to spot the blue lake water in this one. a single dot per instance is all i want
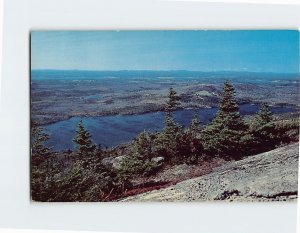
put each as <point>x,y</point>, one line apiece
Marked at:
<point>113,130</point>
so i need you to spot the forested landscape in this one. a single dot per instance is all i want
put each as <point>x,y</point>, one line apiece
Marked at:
<point>91,172</point>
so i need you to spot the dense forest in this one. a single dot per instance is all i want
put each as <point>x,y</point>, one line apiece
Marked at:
<point>85,175</point>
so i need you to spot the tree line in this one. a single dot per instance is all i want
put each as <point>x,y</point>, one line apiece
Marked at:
<point>82,175</point>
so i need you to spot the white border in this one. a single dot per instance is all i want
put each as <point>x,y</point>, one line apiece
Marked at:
<point>16,211</point>
<point>281,2</point>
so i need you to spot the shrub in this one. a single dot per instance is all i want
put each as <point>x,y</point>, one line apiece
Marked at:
<point>140,161</point>
<point>85,179</point>
<point>224,136</point>
<point>287,131</point>
<point>263,131</point>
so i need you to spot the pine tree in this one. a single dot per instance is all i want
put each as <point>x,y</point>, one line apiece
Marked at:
<point>143,145</point>
<point>263,129</point>
<point>40,161</point>
<point>172,103</point>
<point>140,161</point>
<point>265,115</point>
<point>168,142</point>
<point>192,148</point>
<point>226,134</point>
<point>84,141</point>
<point>38,140</point>
<point>194,126</point>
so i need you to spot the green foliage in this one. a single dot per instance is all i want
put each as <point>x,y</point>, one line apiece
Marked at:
<point>228,103</point>
<point>85,180</point>
<point>134,166</point>
<point>226,134</point>
<point>265,115</point>
<point>194,141</point>
<point>173,102</point>
<point>267,133</point>
<point>173,143</point>
<point>172,131</point>
<point>287,131</point>
<point>140,162</point>
<point>131,166</point>
<point>77,182</point>
<point>65,177</point>
<point>84,141</point>
<point>263,131</point>
<point>39,154</point>
<point>38,140</point>
<point>143,145</point>
<point>168,141</point>
<point>39,187</point>
<point>194,127</point>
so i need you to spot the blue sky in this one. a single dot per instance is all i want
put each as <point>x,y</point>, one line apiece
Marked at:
<point>257,51</point>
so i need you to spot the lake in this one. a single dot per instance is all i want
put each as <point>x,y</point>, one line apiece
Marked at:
<point>110,131</point>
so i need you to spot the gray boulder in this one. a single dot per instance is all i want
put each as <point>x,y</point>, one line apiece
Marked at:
<point>158,159</point>
<point>113,162</point>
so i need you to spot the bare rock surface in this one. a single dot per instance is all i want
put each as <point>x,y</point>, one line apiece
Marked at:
<point>114,162</point>
<point>270,176</point>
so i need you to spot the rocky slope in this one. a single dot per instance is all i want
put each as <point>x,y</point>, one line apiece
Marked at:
<point>270,176</point>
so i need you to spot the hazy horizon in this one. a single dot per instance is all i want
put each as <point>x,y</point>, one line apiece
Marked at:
<point>267,51</point>
<point>194,71</point>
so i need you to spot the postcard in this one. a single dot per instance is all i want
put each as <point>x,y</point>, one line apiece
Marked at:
<point>164,115</point>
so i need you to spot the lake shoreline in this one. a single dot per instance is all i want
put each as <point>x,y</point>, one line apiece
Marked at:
<point>104,114</point>
<point>113,130</point>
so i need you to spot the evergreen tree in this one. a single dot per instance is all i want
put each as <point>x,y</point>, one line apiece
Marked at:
<point>133,164</point>
<point>84,141</point>
<point>172,103</point>
<point>140,161</point>
<point>143,146</point>
<point>265,115</point>
<point>41,161</point>
<point>192,138</point>
<point>263,129</point>
<point>194,126</point>
<point>38,140</point>
<point>171,129</point>
<point>226,135</point>
<point>168,142</point>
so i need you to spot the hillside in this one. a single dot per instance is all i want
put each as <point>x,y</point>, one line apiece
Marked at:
<point>270,176</point>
